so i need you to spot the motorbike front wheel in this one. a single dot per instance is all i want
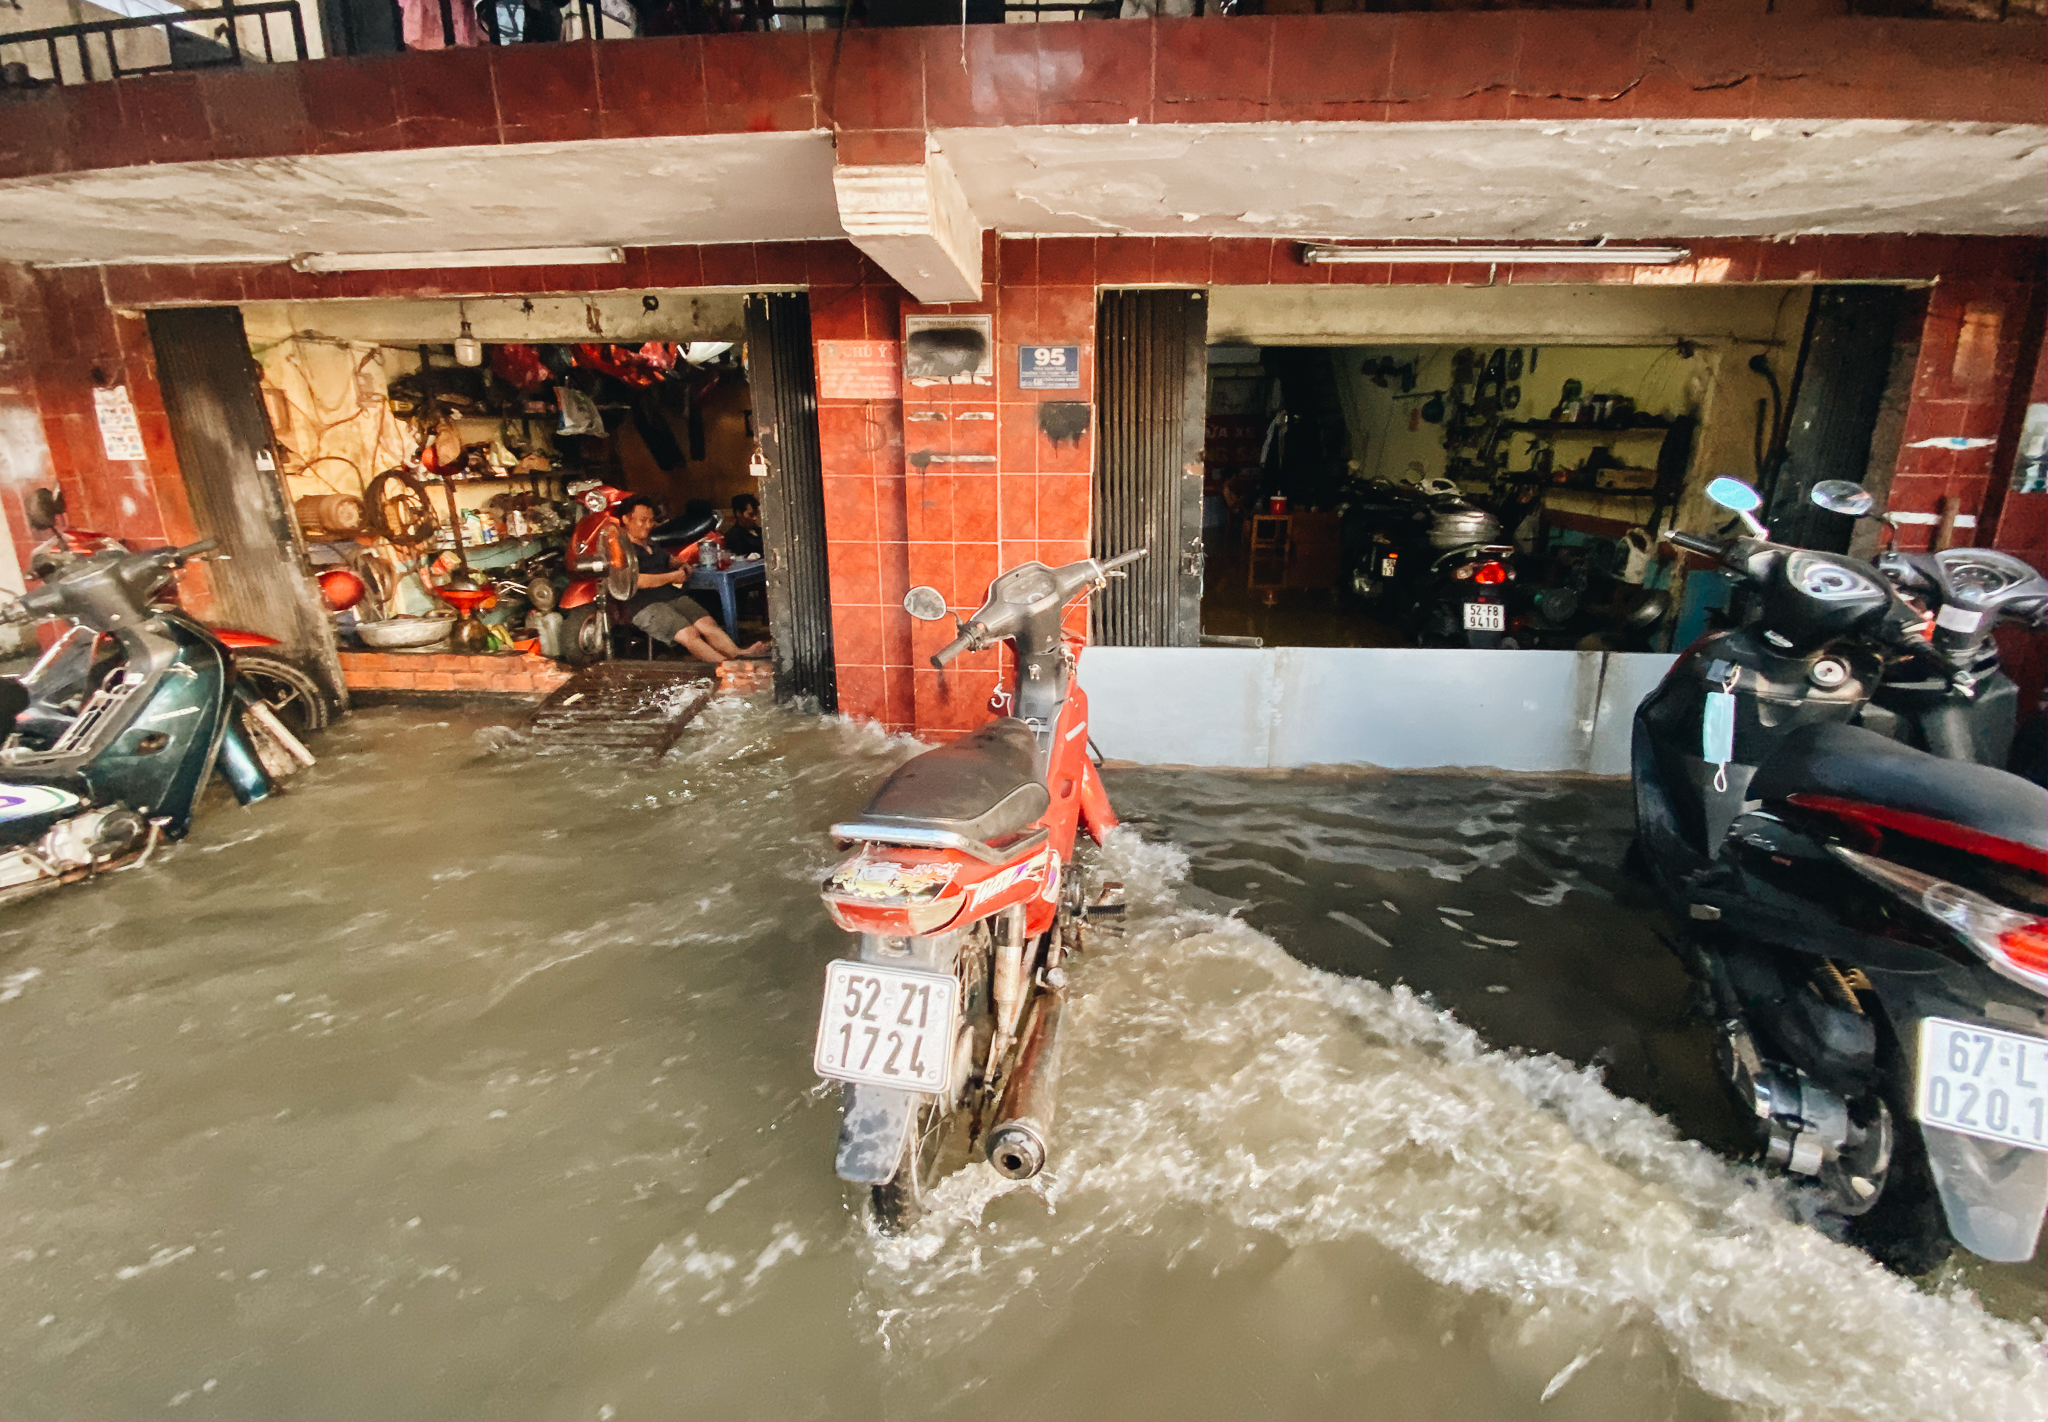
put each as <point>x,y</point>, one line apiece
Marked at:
<point>586,635</point>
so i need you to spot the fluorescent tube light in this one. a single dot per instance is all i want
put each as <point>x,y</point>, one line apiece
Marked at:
<point>1321,252</point>
<point>430,261</point>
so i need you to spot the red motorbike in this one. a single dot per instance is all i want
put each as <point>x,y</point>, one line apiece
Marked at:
<point>604,570</point>
<point>287,689</point>
<point>945,1029</point>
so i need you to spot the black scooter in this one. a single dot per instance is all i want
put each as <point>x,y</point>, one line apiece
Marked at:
<point>1869,917</point>
<point>110,737</point>
<point>1436,558</point>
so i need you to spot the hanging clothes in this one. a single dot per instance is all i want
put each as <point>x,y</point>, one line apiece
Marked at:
<point>427,28</point>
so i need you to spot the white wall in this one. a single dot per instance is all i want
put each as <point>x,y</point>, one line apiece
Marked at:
<point>1399,708</point>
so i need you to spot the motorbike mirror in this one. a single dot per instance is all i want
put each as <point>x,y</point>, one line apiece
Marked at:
<point>1843,496</point>
<point>1734,495</point>
<point>925,604</point>
<point>44,507</point>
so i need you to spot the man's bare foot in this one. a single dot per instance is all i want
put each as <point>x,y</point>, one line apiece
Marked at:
<point>756,653</point>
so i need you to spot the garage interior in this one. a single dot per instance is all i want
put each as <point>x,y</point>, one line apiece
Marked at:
<point>441,452</point>
<point>1584,420</point>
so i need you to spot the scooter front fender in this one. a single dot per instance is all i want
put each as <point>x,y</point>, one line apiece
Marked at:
<point>873,1126</point>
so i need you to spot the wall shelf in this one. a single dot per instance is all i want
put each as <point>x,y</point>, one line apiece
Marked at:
<point>1554,427</point>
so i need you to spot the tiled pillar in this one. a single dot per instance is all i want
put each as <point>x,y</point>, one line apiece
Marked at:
<point>970,519</point>
<point>861,444</point>
<point>1963,389</point>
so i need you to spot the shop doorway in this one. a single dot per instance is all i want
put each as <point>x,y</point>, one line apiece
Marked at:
<point>1358,495</point>
<point>443,476</point>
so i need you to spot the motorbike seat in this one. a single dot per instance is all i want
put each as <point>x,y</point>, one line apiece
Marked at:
<point>1851,763</point>
<point>982,786</point>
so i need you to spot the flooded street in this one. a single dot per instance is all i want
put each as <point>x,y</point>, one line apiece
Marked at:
<point>469,1082</point>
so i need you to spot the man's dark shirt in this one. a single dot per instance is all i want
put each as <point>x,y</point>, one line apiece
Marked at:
<point>652,560</point>
<point>742,541</point>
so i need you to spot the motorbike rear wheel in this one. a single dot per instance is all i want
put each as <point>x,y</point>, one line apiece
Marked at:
<point>299,701</point>
<point>1906,1230</point>
<point>942,1134</point>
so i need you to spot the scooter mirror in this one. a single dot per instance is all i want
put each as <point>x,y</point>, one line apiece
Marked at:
<point>1843,496</point>
<point>1734,495</point>
<point>44,507</point>
<point>925,604</point>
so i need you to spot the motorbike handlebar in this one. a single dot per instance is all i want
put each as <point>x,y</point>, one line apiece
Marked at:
<point>954,648</point>
<point>1693,543</point>
<point>189,551</point>
<point>1121,559</point>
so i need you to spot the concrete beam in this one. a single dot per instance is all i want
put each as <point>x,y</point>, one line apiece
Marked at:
<point>913,220</point>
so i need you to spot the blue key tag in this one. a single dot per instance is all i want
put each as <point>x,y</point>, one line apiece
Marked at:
<point>1717,729</point>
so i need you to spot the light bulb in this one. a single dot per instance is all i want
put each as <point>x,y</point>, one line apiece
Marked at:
<point>468,349</point>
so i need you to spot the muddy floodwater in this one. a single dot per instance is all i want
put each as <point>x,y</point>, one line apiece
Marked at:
<point>465,1081</point>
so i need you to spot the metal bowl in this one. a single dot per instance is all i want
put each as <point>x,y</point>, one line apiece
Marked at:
<point>396,632</point>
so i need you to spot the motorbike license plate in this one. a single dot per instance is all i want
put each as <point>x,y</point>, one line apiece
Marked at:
<point>1387,565</point>
<point>1485,617</point>
<point>887,1026</point>
<point>1983,1082</point>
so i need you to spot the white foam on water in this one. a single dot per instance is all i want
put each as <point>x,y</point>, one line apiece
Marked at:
<point>1209,1069</point>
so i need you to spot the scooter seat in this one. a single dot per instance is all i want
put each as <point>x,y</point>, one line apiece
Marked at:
<point>1850,763</point>
<point>981,786</point>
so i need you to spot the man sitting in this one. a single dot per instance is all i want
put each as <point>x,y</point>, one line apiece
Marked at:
<point>660,608</point>
<point>744,537</point>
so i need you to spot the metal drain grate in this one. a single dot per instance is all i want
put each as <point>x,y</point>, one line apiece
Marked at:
<point>624,708</point>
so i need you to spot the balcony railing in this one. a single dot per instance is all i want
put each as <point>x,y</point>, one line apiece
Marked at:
<point>264,32</point>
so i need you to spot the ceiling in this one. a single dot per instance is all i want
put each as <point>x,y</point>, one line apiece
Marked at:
<point>1533,179</point>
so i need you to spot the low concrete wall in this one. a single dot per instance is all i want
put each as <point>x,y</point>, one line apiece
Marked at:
<point>1397,707</point>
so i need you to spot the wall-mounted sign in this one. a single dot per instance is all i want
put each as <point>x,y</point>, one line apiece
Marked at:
<point>949,350</point>
<point>1048,367</point>
<point>119,434</point>
<point>859,370</point>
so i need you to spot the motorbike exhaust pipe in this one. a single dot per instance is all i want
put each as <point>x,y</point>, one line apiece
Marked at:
<point>1018,1143</point>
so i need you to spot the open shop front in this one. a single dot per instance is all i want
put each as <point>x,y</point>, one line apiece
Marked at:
<point>1483,490</point>
<point>1398,485</point>
<point>456,468</point>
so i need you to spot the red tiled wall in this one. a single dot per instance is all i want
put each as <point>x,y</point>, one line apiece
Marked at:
<point>62,340</point>
<point>1456,66</point>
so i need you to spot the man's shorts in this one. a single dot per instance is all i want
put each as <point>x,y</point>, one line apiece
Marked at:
<point>663,620</point>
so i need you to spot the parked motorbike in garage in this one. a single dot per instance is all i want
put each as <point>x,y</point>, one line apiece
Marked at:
<point>1433,559</point>
<point>603,569</point>
<point>1869,919</point>
<point>945,1028</point>
<point>112,735</point>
